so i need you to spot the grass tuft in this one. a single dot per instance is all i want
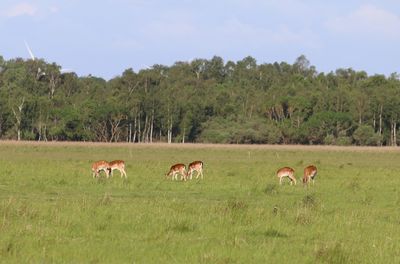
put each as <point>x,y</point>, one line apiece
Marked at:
<point>310,201</point>
<point>332,254</point>
<point>236,205</point>
<point>271,189</point>
<point>106,199</point>
<point>303,217</point>
<point>274,233</point>
<point>181,227</point>
<point>354,185</point>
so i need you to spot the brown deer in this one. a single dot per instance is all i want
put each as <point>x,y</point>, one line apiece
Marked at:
<point>286,172</point>
<point>195,166</point>
<point>310,173</point>
<point>118,165</point>
<point>177,169</point>
<point>99,166</point>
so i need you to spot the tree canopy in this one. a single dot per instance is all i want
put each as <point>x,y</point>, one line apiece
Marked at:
<point>205,100</point>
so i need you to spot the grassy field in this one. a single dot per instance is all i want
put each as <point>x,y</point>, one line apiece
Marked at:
<point>53,211</point>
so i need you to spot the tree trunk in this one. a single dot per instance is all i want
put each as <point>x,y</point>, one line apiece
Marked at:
<point>152,127</point>
<point>18,117</point>
<point>101,131</point>
<point>45,133</point>
<point>360,109</point>
<point>40,131</point>
<point>130,132</point>
<point>52,85</point>
<point>169,130</point>
<point>374,122</point>
<point>144,134</point>
<point>135,130</point>
<point>380,121</point>
<point>139,132</point>
<point>115,129</point>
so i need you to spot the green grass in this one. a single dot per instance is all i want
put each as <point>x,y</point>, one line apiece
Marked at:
<point>53,211</point>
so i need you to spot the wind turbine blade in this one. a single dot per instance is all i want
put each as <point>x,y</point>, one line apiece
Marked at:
<point>29,50</point>
<point>66,70</point>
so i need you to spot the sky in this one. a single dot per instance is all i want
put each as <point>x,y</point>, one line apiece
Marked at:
<point>105,37</point>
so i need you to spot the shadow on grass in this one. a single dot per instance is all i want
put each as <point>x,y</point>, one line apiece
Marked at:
<point>274,233</point>
<point>181,227</point>
<point>236,206</point>
<point>269,233</point>
<point>271,189</point>
<point>310,201</point>
<point>354,185</point>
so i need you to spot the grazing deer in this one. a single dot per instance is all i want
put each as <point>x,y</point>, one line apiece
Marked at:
<point>286,172</point>
<point>195,166</point>
<point>177,169</point>
<point>118,165</point>
<point>309,174</point>
<point>100,165</point>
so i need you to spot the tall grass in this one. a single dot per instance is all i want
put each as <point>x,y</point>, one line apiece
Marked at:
<point>53,211</point>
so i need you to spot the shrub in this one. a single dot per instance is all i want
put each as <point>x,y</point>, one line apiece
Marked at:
<point>364,135</point>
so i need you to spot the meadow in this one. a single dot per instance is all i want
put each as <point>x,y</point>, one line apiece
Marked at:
<point>53,211</point>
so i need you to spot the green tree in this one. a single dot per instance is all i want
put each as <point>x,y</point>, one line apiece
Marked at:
<point>365,135</point>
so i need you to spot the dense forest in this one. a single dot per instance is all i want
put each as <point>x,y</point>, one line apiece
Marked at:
<point>209,101</point>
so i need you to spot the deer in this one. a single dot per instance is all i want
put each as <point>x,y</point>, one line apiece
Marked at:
<point>310,173</point>
<point>195,166</point>
<point>118,165</point>
<point>99,166</point>
<point>286,172</point>
<point>176,169</point>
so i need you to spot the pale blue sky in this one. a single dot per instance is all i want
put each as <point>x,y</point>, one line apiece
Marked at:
<point>103,38</point>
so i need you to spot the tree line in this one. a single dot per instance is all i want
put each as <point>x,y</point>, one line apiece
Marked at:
<point>204,100</point>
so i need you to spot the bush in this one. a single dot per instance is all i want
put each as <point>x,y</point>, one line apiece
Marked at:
<point>239,130</point>
<point>329,140</point>
<point>343,141</point>
<point>273,134</point>
<point>364,135</point>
